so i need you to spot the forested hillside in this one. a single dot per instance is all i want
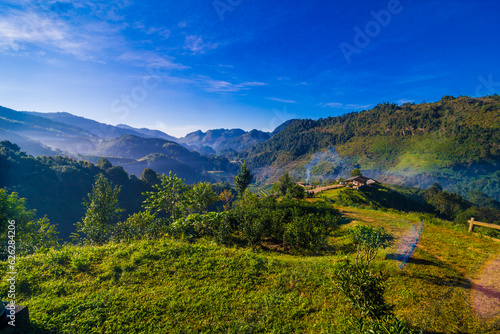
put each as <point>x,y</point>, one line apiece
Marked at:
<point>56,186</point>
<point>454,141</point>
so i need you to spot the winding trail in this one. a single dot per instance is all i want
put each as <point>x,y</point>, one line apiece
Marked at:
<point>485,295</point>
<point>318,190</point>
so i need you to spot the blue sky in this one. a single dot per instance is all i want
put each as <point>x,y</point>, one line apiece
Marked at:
<point>180,66</point>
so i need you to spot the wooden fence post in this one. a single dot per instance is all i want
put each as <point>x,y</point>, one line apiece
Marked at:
<point>471,224</point>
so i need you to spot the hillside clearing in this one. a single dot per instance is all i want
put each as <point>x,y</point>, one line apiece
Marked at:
<point>172,286</point>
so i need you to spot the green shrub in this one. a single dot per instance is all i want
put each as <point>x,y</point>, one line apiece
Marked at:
<point>295,225</point>
<point>368,240</point>
<point>195,226</point>
<point>363,288</point>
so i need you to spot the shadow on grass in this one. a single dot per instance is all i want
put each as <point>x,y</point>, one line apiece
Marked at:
<point>445,281</point>
<point>401,257</point>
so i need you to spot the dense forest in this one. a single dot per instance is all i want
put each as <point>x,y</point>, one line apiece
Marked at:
<point>453,141</point>
<point>56,186</point>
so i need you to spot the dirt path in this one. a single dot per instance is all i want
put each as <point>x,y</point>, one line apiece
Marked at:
<point>318,190</point>
<point>485,295</point>
<point>485,289</point>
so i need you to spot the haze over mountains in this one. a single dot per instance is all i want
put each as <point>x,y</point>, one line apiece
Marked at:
<point>62,133</point>
<point>453,141</point>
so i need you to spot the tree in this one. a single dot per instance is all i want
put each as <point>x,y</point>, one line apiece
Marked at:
<point>355,172</point>
<point>284,183</point>
<point>243,179</point>
<point>31,234</point>
<point>201,196</point>
<point>438,186</point>
<point>368,241</point>
<point>226,197</point>
<point>169,197</point>
<point>287,188</point>
<point>149,176</point>
<point>102,211</point>
<point>104,163</point>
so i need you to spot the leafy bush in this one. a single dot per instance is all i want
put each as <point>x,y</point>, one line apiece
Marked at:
<point>368,240</point>
<point>363,288</point>
<point>295,225</point>
<point>141,225</point>
<point>30,235</point>
<point>195,226</point>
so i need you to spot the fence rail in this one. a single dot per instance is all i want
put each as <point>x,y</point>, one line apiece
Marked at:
<point>473,222</point>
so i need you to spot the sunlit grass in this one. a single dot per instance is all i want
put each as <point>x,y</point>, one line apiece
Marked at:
<point>170,286</point>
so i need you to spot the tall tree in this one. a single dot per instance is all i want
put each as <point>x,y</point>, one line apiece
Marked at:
<point>201,196</point>
<point>286,187</point>
<point>284,183</point>
<point>355,172</point>
<point>149,176</point>
<point>243,179</point>
<point>102,211</point>
<point>28,233</point>
<point>169,197</point>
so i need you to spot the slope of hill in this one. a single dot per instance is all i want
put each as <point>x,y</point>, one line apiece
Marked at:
<point>211,138</point>
<point>453,141</point>
<point>245,140</point>
<point>148,132</point>
<point>56,135</point>
<point>65,134</point>
<point>56,186</point>
<point>165,285</point>
<point>162,155</point>
<point>101,130</point>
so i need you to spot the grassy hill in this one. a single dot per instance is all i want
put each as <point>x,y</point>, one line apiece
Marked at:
<point>453,141</point>
<point>171,286</point>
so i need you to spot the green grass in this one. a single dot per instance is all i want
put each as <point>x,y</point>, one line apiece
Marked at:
<point>170,286</point>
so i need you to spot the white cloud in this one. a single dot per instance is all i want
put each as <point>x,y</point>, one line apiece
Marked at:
<point>88,30</point>
<point>332,105</point>
<point>20,30</point>
<point>150,59</point>
<point>350,106</point>
<point>212,86</point>
<point>403,101</point>
<point>196,45</point>
<point>281,100</point>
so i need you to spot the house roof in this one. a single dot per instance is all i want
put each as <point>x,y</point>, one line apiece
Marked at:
<point>359,178</point>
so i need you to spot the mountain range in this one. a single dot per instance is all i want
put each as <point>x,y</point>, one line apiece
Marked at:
<point>454,141</point>
<point>62,133</point>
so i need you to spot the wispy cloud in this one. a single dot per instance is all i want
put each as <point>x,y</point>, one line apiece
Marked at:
<point>212,86</point>
<point>350,106</point>
<point>160,31</point>
<point>196,44</point>
<point>281,100</point>
<point>35,27</point>
<point>403,101</point>
<point>151,59</point>
<point>21,31</point>
<point>209,84</point>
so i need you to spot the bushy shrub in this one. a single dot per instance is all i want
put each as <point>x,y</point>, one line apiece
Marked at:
<point>296,225</point>
<point>141,225</point>
<point>195,226</point>
<point>368,240</point>
<point>363,288</point>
